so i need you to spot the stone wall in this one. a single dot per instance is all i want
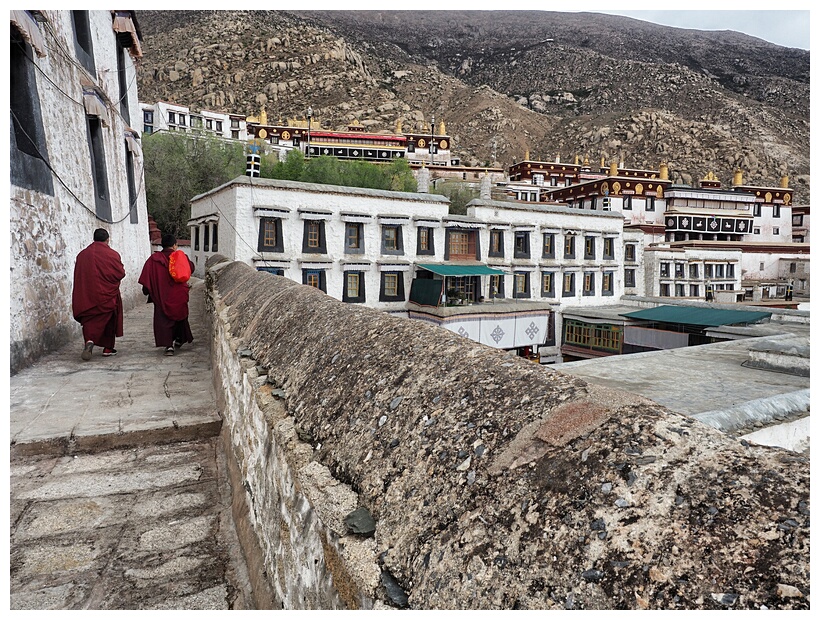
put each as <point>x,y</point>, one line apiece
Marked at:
<point>493,482</point>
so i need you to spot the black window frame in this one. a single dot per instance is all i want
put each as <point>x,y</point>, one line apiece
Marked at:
<point>551,291</point>
<point>496,234</point>
<point>610,255</point>
<point>322,247</point>
<point>322,278</point>
<point>83,41</point>
<point>359,298</point>
<point>608,291</point>
<point>359,227</point>
<point>527,285</point>
<point>29,159</point>
<point>694,271</point>
<point>130,180</point>
<point>544,253</point>
<point>589,241</point>
<point>521,244</point>
<point>399,250</point>
<point>757,210</point>
<point>569,244</point>
<point>99,169</point>
<point>776,211</point>
<point>629,278</point>
<point>215,237</point>
<point>431,248</point>
<point>499,294</point>
<point>206,238</point>
<point>630,252</point>
<point>399,286</point>
<point>571,291</point>
<point>650,203</point>
<point>664,269</point>
<point>627,203</point>
<point>588,292</point>
<point>196,237</point>
<point>279,244</point>
<point>124,43</point>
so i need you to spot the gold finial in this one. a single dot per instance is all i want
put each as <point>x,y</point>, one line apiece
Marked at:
<point>263,117</point>
<point>586,161</point>
<point>613,169</point>
<point>664,171</point>
<point>558,158</point>
<point>577,159</point>
<point>738,178</point>
<point>603,162</point>
<point>784,182</point>
<point>710,176</point>
<point>442,130</point>
<point>398,126</point>
<point>527,155</point>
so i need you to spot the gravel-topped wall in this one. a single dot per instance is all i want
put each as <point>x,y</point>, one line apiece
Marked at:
<point>493,482</point>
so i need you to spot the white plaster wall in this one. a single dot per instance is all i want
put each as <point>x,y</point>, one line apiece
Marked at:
<point>766,222</point>
<point>47,232</point>
<point>688,256</point>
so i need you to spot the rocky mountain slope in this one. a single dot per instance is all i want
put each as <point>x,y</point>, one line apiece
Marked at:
<point>504,82</point>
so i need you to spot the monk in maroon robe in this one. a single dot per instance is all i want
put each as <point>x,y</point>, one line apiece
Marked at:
<point>170,299</point>
<point>96,302</point>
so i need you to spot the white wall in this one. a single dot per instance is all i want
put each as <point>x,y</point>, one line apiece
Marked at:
<point>48,231</point>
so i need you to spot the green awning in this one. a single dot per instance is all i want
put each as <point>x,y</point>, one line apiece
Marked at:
<point>688,315</point>
<point>461,270</point>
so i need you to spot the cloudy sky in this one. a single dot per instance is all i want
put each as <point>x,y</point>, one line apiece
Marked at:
<point>788,27</point>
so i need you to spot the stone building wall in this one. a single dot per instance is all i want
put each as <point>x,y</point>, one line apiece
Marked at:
<point>49,227</point>
<point>493,482</point>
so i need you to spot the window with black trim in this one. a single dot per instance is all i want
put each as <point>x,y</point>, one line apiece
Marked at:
<point>730,270</point>
<point>694,290</point>
<point>775,210</point>
<point>521,285</point>
<point>757,210</point>
<point>99,171</point>
<point>83,45</point>
<point>548,248</point>
<point>353,287</point>
<point>392,286</point>
<point>29,152</point>
<point>627,203</point>
<point>522,244</point>
<point>148,121</point>
<point>589,248</point>
<point>797,219</point>
<point>354,238</point>
<point>313,238</point>
<point>607,283</point>
<point>424,241</point>
<point>547,284</point>
<point>196,237</point>
<point>496,287</point>
<point>664,290</point>
<point>132,186</point>
<point>276,271</point>
<point>664,270</point>
<point>392,239</point>
<point>650,203</point>
<point>629,277</point>
<point>461,245</point>
<point>270,235</point>
<point>629,252</point>
<point>609,248</point>
<point>569,246</point>
<point>215,238</point>
<point>589,283</point>
<point>496,244</point>
<point>568,289</point>
<point>206,238</point>
<point>679,270</point>
<point>315,278</point>
<point>708,270</point>
<point>693,270</point>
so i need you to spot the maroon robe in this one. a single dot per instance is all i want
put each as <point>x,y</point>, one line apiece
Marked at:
<point>96,302</point>
<point>170,299</point>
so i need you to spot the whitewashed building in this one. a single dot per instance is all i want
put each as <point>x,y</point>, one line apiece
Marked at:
<point>165,116</point>
<point>498,275</point>
<point>76,165</point>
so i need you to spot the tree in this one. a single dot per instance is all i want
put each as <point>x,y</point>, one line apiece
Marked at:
<point>180,166</point>
<point>459,194</point>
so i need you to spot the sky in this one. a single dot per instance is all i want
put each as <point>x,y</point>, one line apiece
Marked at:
<point>788,26</point>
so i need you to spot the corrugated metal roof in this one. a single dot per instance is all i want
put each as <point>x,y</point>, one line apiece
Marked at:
<point>689,315</point>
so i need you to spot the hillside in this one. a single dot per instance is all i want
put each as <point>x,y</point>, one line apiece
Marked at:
<point>504,82</point>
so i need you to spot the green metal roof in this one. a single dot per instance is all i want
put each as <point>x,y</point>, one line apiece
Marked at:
<point>688,315</point>
<point>461,270</point>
